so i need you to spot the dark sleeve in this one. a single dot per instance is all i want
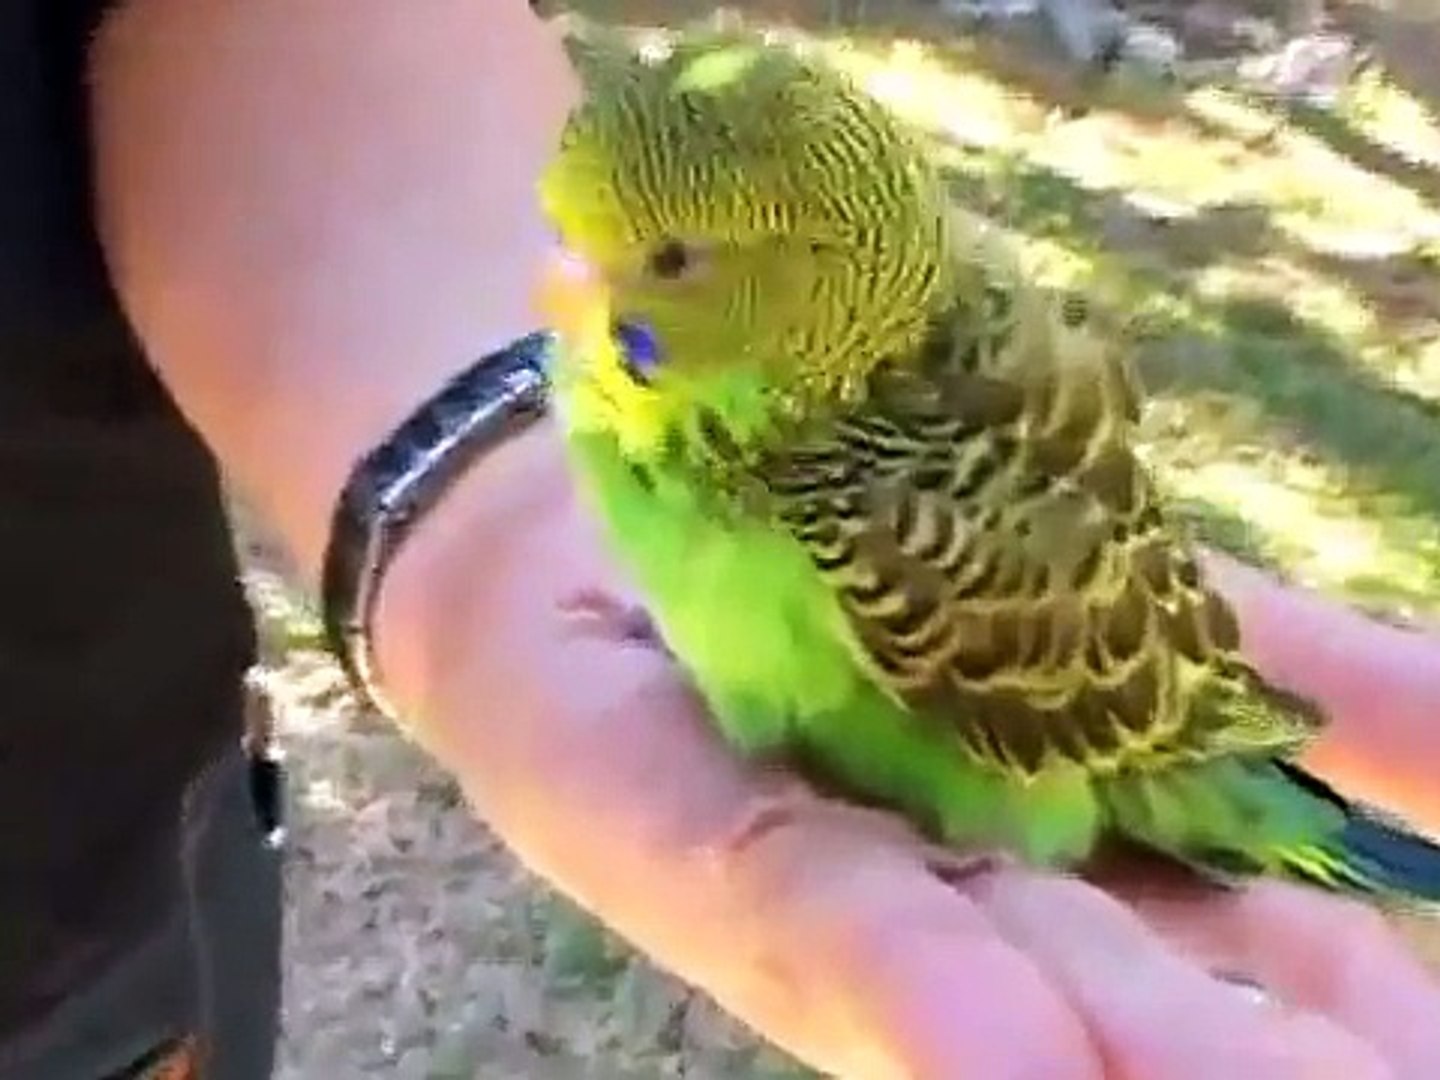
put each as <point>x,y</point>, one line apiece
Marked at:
<point>44,159</point>
<point>65,29</point>
<point>73,22</point>
<point>54,288</point>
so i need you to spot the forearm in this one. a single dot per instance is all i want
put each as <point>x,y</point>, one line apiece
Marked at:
<point>315,213</point>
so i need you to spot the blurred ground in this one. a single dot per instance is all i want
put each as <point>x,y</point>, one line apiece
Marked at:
<point>416,946</point>
<point>1279,268</point>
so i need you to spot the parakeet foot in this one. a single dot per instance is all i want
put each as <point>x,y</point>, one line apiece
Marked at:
<point>614,617</point>
<point>788,800</point>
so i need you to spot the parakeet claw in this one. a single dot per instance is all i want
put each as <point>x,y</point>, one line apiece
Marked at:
<point>789,800</point>
<point>1253,990</point>
<point>959,868</point>
<point>614,617</point>
<point>792,801</point>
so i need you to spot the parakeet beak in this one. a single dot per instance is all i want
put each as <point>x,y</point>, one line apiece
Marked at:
<point>572,297</point>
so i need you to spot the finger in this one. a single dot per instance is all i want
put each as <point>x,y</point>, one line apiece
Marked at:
<point>1345,662</point>
<point>1318,952</point>
<point>1151,1012</point>
<point>904,972</point>
<point>971,1005</point>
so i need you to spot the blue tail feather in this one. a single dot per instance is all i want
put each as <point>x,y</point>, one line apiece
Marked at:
<point>1372,852</point>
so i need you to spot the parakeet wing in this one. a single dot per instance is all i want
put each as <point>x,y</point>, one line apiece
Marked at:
<point>1004,560</point>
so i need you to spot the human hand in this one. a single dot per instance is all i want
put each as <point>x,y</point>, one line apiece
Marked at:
<point>827,931</point>
<point>343,235</point>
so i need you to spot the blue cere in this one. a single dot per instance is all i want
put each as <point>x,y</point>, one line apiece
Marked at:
<point>640,347</point>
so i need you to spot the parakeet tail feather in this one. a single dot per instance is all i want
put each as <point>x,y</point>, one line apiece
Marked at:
<point>1369,854</point>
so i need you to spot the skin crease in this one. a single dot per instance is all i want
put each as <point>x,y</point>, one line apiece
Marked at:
<point>310,226</point>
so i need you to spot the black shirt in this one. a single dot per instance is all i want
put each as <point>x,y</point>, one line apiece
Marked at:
<point>123,631</point>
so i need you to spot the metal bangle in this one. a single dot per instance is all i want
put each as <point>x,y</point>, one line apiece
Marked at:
<point>391,489</point>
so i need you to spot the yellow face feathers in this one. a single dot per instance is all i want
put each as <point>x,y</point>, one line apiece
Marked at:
<point>750,207</point>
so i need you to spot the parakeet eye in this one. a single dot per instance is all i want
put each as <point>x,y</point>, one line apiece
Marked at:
<point>638,348</point>
<point>670,260</point>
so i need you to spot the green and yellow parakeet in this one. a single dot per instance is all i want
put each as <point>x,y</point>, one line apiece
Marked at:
<point>882,495</point>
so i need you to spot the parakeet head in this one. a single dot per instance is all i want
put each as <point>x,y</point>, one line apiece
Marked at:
<point>755,218</point>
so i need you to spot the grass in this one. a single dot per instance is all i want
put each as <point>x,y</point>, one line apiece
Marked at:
<point>1278,271</point>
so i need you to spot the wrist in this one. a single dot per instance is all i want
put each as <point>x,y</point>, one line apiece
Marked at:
<point>397,484</point>
<point>442,602</point>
